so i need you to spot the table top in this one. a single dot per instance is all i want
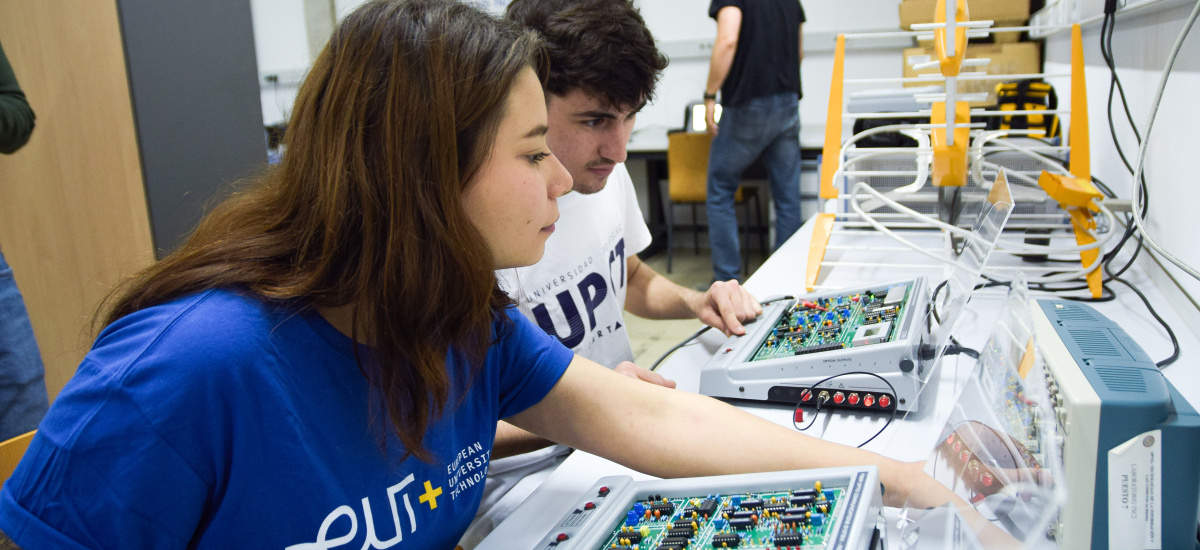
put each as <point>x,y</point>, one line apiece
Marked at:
<point>910,437</point>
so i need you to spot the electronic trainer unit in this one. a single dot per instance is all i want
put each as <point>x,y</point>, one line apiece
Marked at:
<point>798,344</point>
<point>811,509</point>
<point>1131,440</point>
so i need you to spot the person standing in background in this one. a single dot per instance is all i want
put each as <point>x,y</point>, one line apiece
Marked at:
<point>23,399</point>
<point>755,65</point>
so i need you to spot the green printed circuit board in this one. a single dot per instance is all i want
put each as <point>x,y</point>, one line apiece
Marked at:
<point>790,519</point>
<point>836,322</point>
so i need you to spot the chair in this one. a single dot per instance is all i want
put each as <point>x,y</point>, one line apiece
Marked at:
<point>11,452</point>
<point>687,183</point>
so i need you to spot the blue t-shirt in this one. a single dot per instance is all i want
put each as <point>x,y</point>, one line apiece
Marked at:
<point>221,421</point>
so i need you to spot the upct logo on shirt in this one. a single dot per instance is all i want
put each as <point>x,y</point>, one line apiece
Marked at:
<point>468,469</point>
<point>590,292</point>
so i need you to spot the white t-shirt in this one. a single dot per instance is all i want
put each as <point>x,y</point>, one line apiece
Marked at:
<point>577,291</point>
<point>577,294</point>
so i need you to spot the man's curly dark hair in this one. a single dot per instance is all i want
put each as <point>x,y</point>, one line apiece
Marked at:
<point>601,47</point>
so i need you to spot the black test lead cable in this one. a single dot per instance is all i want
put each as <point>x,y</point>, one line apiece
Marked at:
<point>697,334</point>
<point>820,401</point>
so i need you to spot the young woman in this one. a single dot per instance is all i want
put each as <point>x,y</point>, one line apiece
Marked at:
<point>322,365</point>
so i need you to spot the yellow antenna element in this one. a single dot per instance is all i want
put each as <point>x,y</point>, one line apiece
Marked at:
<point>1075,193</point>
<point>1082,222</point>
<point>950,160</point>
<point>822,228</point>
<point>1070,192</point>
<point>1081,156</point>
<point>1078,197</point>
<point>950,39</point>
<point>831,157</point>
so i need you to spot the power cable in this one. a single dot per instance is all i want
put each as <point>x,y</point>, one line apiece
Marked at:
<point>1140,166</point>
<point>697,334</point>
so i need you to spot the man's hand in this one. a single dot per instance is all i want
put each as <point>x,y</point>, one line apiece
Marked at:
<point>628,368</point>
<point>710,117</point>
<point>726,306</point>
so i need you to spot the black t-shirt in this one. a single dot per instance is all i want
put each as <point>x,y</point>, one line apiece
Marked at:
<point>767,61</point>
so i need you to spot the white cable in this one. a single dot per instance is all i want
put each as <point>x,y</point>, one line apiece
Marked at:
<point>1137,172</point>
<point>984,138</point>
<point>1006,246</point>
<point>883,229</point>
<point>923,153</point>
<point>1001,244</point>
<point>924,157</point>
<point>981,139</point>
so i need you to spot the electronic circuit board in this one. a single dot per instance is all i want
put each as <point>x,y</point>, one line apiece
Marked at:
<point>865,342</point>
<point>799,518</point>
<point>836,322</point>
<point>794,509</point>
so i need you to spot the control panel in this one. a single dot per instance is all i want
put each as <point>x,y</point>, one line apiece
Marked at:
<point>857,349</point>
<point>810,509</point>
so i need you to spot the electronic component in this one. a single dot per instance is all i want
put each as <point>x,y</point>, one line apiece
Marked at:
<point>1131,440</point>
<point>796,344</point>
<point>721,512</point>
<point>987,460</point>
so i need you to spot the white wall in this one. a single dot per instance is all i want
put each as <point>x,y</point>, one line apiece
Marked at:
<point>1141,44</point>
<point>281,45</point>
<point>685,33</point>
<point>682,28</point>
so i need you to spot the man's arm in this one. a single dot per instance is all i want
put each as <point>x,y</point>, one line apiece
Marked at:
<point>729,26</point>
<point>725,306</point>
<point>801,34</point>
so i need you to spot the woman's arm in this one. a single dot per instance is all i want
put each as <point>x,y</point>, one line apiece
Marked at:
<point>669,433</point>
<point>680,434</point>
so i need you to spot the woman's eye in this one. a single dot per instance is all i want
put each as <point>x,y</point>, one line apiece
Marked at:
<point>538,157</point>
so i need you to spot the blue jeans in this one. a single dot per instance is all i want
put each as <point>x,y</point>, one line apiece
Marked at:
<point>767,126</point>
<point>23,400</point>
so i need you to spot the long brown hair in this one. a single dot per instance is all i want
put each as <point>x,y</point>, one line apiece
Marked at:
<point>398,113</point>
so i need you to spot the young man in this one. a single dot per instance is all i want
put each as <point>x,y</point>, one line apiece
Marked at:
<point>603,68</point>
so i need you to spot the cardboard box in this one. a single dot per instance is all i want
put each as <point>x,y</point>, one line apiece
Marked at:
<point>1006,13</point>
<point>1013,58</point>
